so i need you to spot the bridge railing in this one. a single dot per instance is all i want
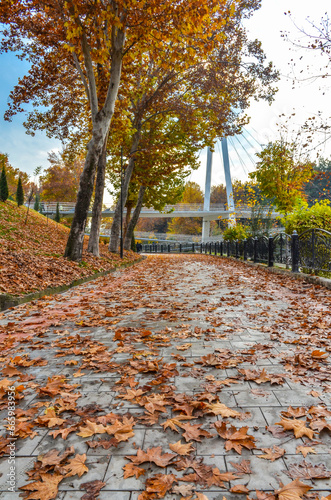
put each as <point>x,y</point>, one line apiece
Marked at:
<point>308,252</point>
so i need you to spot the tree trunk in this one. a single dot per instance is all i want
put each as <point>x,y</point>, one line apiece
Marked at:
<point>127,219</point>
<point>101,123</point>
<point>134,218</point>
<point>116,226</point>
<point>93,242</point>
<point>74,248</point>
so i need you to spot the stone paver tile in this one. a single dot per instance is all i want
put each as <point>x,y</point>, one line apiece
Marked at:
<point>49,443</point>
<point>23,465</point>
<point>266,474</point>
<point>296,398</point>
<point>244,399</point>
<point>103,495</point>
<point>114,476</point>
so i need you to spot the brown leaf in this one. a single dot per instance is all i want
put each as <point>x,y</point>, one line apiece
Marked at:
<point>298,427</point>
<point>239,488</point>
<point>221,409</point>
<point>92,489</point>
<point>235,438</point>
<point>194,432</point>
<point>293,491</point>
<point>174,423</point>
<point>243,467</point>
<point>294,412</point>
<point>272,453</point>
<point>90,429</point>
<point>181,449</point>
<point>46,489</point>
<point>76,466</point>
<point>305,450</point>
<point>160,484</point>
<point>53,457</point>
<point>183,489</point>
<point>152,455</point>
<point>132,470</point>
<point>306,470</point>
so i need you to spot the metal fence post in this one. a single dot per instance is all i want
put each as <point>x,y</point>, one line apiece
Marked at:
<point>313,249</point>
<point>255,249</point>
<point>295,252</point>
<point>221,249</point>
<point>192,247</point>
<point>168,248</point>
<point>228,249</point>
<point>180,248</point>
<point>237,249</point>
<point>161,248</point>
<point>215,248</point>
<point>200,247</point>
<point>245,249</point>
<point>270,251</point>
<point>210,248</point>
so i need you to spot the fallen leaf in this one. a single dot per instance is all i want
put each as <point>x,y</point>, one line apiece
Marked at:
<point>92,489</point>
<point>298,427</point>
<point>305,450</point>
<point>306,470</point>
<point>239,488</point>
<point>132,470</point>
<point>235,438</point>
<point>293,491</point>
<point>46,489</point>
<point>272,453</point>
<point>76,466</point>
<point>152,455</point>
<point>181,449</point>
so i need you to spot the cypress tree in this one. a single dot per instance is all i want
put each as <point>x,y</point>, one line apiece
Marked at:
<point>36,205</point>
<point>57,217</point>
<point>19,193</point>
<point>4,193</point>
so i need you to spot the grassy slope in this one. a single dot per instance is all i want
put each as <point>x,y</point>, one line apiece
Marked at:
<point>31,255</point>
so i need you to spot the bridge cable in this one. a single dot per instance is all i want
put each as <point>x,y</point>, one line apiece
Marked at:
<point>247,153</point>
<point>239,157</point>
<point>257,142</point>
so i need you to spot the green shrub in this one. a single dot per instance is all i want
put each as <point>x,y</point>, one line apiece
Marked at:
<point>238,232</point>
<point>303,217</point>
<point>3,185</point>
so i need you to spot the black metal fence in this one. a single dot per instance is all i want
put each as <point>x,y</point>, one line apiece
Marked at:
<point>308,252</point>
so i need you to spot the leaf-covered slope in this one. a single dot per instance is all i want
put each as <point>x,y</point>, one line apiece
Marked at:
<point>31,254</point>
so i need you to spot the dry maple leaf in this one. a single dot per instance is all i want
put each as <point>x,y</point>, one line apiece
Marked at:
<point>121,430</point>
<point>306,470</point>
<point>92,489</point>
<point>183,347</point>
<point>46,489</point>
<point>294,412</point>
<point>50,419</point>
<point>239,488</point>
<point>174,423</point>
<point>132,470</point>
<point>76,465</point>
<point>181,449</point>
<point>183,489</point>
<point>272,453</point>
<point>298,427</point>
<point>243,467</point>
<point>152,455</point>
<point>53,457</point>
<point>221,409</point>
<point>90,429</point>
<point>293,491</point>
<point>160,484</point>
<point>194,432</point>
<point>305,450</point>
<point>235,438</point>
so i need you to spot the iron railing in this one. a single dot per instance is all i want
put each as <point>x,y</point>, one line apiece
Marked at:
<point>308,252</point>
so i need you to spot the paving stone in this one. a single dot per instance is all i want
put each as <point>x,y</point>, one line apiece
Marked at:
<point>124,448</point>
<point>103,495</point>
<point>268,480</point>
<point>324,459</point>
<point>244,399</point>
<point>114,476</point>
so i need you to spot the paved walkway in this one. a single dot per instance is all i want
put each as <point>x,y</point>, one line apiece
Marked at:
<point>176,348</point>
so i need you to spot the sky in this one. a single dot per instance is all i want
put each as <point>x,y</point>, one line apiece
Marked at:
<point>305,98</point>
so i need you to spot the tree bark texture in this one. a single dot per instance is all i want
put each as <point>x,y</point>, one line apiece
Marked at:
<point>116,225</point>
<point>101,122</point>
<point>93,242</point>
<point>134,218</point>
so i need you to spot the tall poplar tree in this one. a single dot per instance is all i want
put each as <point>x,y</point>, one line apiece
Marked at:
<point>19,193</point>
<point>4,193</point>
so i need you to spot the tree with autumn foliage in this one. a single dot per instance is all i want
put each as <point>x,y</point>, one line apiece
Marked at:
<point>188,225</point>
<point>318,188</point>
<point>12,176</point>
<point>60,181</point>
<point>92,45</point>
<point>281,174</point>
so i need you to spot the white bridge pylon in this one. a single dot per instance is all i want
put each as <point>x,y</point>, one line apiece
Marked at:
<point>228,184</point>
